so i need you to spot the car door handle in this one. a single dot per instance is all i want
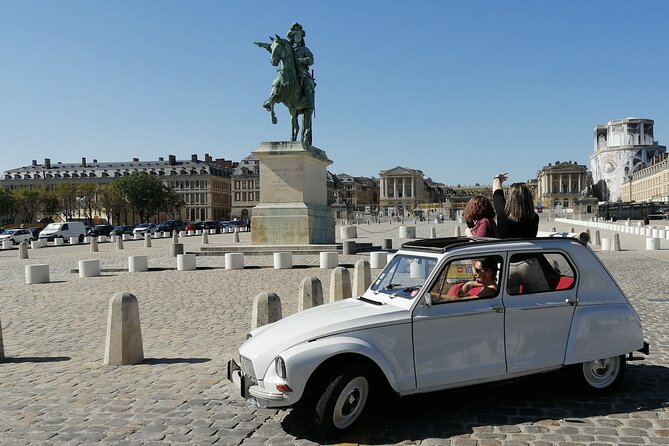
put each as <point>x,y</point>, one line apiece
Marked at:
<point>497,308</point>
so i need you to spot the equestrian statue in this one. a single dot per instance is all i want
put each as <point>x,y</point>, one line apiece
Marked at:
<point>294,85</point>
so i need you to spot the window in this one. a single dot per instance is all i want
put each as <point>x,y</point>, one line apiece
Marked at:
<point>537,273</point>
<point>404,276</point>
<point>468,278</point>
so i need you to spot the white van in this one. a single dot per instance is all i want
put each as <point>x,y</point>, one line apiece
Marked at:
<point>64,231</point>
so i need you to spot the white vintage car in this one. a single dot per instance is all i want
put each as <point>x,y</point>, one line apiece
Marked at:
<point>447,313</point>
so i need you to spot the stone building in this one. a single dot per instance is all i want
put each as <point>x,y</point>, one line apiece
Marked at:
<point>621,147</point>
<point>649,183</point>
<point>204,186</point>
<point>562,184</point>
<point>245,187</point>
<point>402,189</point>
<point>360,194</point>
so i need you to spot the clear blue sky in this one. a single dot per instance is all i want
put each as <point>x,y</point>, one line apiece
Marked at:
<point>458,89</point>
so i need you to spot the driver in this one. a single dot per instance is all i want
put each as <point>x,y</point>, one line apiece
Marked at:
<point>484,283</point>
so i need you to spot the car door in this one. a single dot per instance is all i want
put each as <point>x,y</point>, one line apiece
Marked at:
<point>539,299</point>
<point>457,341</point>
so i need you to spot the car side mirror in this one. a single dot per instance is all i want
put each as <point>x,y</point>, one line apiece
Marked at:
<point>427,298</point>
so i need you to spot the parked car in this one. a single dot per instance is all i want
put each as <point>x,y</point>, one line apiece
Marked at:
<point>16,236</point>
<point>63,230</point>
<point>122,229</point>
<point>145,228</point>
<point>35,231</point>
<point>99,230</point>
<point>171,225</point>
<point>213,224</point>
<point>427,324</point>
<point>193,226</point>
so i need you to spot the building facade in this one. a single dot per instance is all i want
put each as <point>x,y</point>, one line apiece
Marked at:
<point>621,147</point>
<point>562,184</point>
<point>245,187</point>
<point>401,191</point>
<point>649,184</point>
<point>360,194</point>
<point>203,186</point>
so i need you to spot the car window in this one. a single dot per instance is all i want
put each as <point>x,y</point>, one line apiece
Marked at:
<point>466,279</point>
<point>404,276</point>
<point>539,272</point>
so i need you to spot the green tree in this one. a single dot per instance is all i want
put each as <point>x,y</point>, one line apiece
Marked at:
<point>8,204</point>
<point>88,199</point>
<point>112,201</point>
<point>67,196</point>
<point>172,202</point>
<point>144,194</point>
<point>29,201</point>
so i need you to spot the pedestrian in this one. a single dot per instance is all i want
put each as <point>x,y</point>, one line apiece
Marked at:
<point>479,216</point>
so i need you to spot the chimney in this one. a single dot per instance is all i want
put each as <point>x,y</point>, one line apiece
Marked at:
<point>207,158</point>
<point>47,163</point>
<point>95,161</point>
<point>83,161</point>
<point>173,160</point>
<point>193,158</point>
<point>34,163</point>
<point>160,158</point>
<point>135,160</point>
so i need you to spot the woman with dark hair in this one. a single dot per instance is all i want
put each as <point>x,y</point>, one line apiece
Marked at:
<point>480,218</point>
<point>516,217</point>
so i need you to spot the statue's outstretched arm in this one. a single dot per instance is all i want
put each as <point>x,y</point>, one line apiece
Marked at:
<point>263,45</point>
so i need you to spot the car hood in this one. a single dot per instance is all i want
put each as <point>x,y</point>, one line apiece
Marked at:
<point>324,320</point>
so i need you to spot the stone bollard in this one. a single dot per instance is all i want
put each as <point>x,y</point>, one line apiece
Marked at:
<point>310,294</point>
<point>606,244</point>
<point>235,237</point>
<point>59,241</point>
<point>102,238</point>
<point>125,237</point>
<point>74,240</point>
<point>89,268</point>
<point>340,284</point>
<point>598,238</point>
<point>616,243</point>
<point>2,346</point>
<point>407,232</point>
<point>348,232</point>
<point>23,250</point>
<point>588,232</point>
<point>186,262</point>
<point>572,230</point>
<point>652,243</point>
<point>457,232</point>
<point>87,239</point>
<point>378,259</point>
<point>124,331</point>
<point>166,234</point>
<point>362,277</point>
<point>137,236</point>
<point>234,260</point>
<point>329,259</point>
<point>119,243</point>
<point>94,245</point>
<point>433,232</point>
<point>348,247</point>
<point>147,241</point>
<point>7,244</point>
<point>554,229</point>
<point>205,238</point>
<point>175,237</point>
<point>35,244</point>
<point>387,243</point>
<point>283,260</point>
<point>138,264</point>
<point>176,249</point>
<point>266,309</point>
<point>38,273</point>
<point>183,233</point>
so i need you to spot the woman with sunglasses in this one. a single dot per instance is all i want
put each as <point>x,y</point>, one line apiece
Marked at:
<point>516,217</point>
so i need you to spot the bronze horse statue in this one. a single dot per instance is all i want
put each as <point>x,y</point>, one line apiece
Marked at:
<point>287,88</point>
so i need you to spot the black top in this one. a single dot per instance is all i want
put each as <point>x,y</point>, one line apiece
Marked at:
<point>512,229</point>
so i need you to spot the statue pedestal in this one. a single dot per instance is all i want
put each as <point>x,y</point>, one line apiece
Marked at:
<point>293,196</point>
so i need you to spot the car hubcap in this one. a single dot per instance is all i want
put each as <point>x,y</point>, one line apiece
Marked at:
<point>601,373</point>
<point>351,402</point>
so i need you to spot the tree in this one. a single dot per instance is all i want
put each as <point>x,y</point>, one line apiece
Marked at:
<point>144,194</point>
<point>172,202</point>
<point>87,199</point>
<point>28,201</point>
<point>8,204</point>
<point>49,204</point>
<point>112,201</point>
<point>67,196</point>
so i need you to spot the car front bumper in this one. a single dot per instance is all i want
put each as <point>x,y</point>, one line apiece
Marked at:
<point>252,391</point>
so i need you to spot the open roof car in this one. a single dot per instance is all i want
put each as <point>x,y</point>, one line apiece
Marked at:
<point>447,313</point>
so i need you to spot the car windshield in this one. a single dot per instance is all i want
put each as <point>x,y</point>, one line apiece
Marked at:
<point>404,276</point>
<point>143,225</point>
<point>54,226</point>
<point>9,231</point>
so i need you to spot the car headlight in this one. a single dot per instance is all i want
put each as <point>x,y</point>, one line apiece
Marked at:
<point>280,367</point>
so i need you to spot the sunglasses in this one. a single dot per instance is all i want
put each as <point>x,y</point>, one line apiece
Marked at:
<point>478,270</point>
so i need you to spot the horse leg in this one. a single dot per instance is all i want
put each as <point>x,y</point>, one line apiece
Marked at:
<point>295,125</point>
<point>274,120</point>
<point>306,127</point>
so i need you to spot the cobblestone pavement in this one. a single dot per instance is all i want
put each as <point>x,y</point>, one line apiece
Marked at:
<point>55,389</point>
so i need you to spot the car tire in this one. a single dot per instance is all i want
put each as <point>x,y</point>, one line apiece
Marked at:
<point>81,238</point>
<point>601,375</point>
<point>13,241</point>
<point>343,400</point>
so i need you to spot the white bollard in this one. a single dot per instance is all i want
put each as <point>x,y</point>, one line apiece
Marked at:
<point>35,244</point>
<point>74,240</point>
<point>186,262</point>
<point>166,234</point>
<point>378,259</point>
<point>89,268</point>
<point>59,241</point>
<point>205,238</point>
<point>212,232</point>
<point>407,232</point>
<point>87,239</point>
<point>137,236</point>
<point>94,244</point>
<point>7,244</point>
<point>652,244</point>
<point>606,244</point>
<point>182,233</point>
<point>38,273</point>
<point>662,233</point>
<point>234,260</point>
<point>138,264</point>
<point>283,260</point>
<point>147,241</point>
<point>329,259</point>
<point>125,237</point>
<point>102,238</point>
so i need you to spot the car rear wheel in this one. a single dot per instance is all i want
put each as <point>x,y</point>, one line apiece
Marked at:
<point>601,375</point>
<point>343,399</point>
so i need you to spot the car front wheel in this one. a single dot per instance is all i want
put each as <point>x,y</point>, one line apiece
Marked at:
<point>601,375</point>
<point>343,400</point>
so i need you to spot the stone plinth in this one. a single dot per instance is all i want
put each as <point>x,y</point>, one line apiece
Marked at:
<point>124,332</point>
<point>37,273</point>
<point>293,208</point>
<point>89,268</point>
